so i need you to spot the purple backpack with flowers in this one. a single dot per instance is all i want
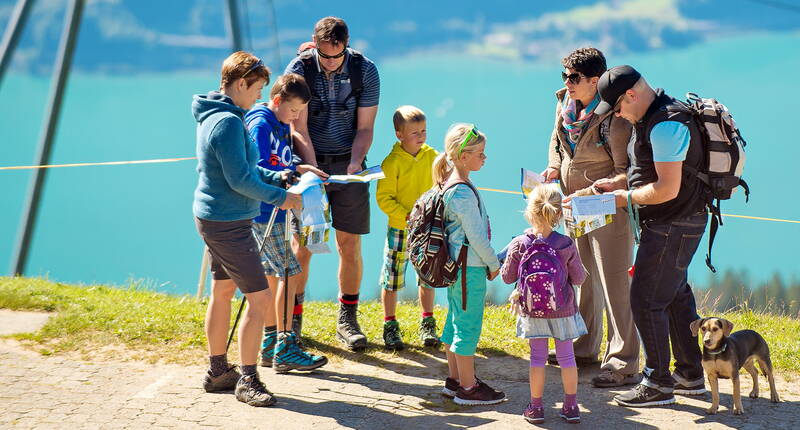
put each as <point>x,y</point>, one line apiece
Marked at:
<point>542,279</point>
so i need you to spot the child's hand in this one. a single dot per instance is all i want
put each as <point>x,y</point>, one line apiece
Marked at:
<point>493,275</point>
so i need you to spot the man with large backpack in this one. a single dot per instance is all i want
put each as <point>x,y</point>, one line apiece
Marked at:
<point>671,200</point>
<point>334,133</point>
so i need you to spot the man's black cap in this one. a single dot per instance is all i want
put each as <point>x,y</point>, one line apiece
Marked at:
<point>613,84</point>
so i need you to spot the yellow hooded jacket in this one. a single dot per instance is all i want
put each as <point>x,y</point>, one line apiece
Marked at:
<point>407,178</point>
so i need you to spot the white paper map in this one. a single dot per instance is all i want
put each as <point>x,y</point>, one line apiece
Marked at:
<point>315,219</point>
<point>588,213</point>
<point>371,174</point>
<point>529,181</point>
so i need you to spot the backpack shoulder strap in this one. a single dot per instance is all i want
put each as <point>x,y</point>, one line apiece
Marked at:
<point>310,70</point>
<point>355,68</point>
<point>605,132</point>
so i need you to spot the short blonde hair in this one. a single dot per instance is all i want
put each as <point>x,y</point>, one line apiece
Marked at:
<point>405,114</point>
<point>240,64</point>
<point>442,167</point>
<point>544,206</point>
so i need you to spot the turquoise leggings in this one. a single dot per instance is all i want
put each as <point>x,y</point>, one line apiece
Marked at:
<point>462,329</point>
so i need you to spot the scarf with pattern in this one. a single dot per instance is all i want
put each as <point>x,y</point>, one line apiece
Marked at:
<point>573,122</point>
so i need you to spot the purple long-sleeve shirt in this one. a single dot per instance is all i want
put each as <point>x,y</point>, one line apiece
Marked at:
<point>568,254</point>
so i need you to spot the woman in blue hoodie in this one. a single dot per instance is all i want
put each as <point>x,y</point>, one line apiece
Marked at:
<point>229,189</point>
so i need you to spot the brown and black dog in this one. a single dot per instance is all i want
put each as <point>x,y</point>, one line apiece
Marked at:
<point>725,353</point>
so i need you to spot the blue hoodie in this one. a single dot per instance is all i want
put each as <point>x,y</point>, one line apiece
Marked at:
<point>230,184</point>
<point>274,146</point>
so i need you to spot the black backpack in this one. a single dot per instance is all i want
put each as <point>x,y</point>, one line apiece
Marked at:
<point>354,70</point>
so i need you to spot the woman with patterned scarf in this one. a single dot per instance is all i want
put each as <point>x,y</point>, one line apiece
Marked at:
<point>585,148</point>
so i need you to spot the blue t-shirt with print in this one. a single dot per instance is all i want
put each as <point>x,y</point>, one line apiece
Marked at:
<point>274,146</point>
<point>670,141</point>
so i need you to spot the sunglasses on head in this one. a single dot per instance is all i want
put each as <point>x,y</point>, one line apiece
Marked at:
<point>330,57</point>
<point>257,64</point>
<point>472,134</point>
<point>573,78</point>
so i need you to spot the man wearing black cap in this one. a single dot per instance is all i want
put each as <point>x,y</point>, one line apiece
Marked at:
<point>668,204</point>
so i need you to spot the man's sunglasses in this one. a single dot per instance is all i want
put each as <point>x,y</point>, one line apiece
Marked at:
<point>618,104</point>
<point>473,133</point>
<point>258,64</point>
<point>573,78</point>
<point>330,57</point>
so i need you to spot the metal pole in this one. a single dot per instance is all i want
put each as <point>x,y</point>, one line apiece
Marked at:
<point>63,64</point>
<point>233,24</point>
<point>15,26</point>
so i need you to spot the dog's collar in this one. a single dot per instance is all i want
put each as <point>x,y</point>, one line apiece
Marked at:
<point>719,351</point>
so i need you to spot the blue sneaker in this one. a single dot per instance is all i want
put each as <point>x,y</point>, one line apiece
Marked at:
<point>268,348</point>
<point>288,356</point>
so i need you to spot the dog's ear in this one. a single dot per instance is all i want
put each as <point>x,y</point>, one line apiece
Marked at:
<point>727,327</point>
<point>695,326</point>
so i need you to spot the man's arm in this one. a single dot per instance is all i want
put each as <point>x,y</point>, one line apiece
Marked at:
<point>363,140</point>
<point>302,139</point>
<point>662,190</point>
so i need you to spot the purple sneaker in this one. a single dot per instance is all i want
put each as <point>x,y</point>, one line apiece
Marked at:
<point>571,414</point>
<point>534,414</point>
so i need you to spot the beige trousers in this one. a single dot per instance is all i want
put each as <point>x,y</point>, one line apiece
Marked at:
<point>607,253</point>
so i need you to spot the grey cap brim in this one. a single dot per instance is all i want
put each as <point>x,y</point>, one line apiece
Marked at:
<point>603,108</point>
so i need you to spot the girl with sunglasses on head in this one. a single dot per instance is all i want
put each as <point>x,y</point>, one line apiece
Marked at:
<point>587,150</point>
<point>466,224</point>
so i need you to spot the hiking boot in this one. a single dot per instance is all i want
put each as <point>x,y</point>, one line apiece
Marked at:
<point>347,329</point>
<point>609,378</point>
<point>288,356</point>
<point>224,382</point>
<point>268,348</point>
<point>642,396</point>
<point>480,394</point>
<point>297,327</point>
<point>391,335</point>
<point>571,414</point>
<point>534,414</point>
<point>450,388</point>
<point>581,362</point>
<point>427,332</point>
<point>250,390</point>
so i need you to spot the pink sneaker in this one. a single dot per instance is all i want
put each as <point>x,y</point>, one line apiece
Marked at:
<point>571,414</point>
<point>534,414</point>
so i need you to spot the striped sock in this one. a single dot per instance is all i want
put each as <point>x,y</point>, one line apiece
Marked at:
<point>389,318</point>
<point>348,299</point>
<point>427,314</point>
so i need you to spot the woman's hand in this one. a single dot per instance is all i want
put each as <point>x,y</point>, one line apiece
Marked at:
<point>550,174</point>
<point>293,201</point>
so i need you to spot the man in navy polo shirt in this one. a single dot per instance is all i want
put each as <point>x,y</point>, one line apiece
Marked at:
<point>334,134</point>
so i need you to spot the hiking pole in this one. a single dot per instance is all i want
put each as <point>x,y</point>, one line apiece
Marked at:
<point>260,250</point>
<point>287,247</point>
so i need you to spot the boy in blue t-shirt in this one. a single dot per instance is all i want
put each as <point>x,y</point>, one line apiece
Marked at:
<point>268,125</point>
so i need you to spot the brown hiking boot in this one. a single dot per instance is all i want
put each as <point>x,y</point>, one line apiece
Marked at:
<point>225,382</point>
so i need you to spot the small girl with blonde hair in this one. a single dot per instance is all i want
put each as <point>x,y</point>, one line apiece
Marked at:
<point>556,316</point>
<point>466,225</point>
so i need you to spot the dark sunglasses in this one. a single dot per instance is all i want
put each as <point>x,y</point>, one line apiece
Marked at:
<point>258,64</point>
<point>618,104</point>
<point>573,78</point>
<point>330,57</point>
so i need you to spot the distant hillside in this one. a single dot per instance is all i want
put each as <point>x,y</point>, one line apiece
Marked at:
<point>127,36</point>
<point>733,290</point>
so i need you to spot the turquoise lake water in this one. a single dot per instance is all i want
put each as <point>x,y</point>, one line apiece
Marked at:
<point>119,223</point>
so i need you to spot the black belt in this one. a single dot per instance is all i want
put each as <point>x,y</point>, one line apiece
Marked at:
<point>332,158</point>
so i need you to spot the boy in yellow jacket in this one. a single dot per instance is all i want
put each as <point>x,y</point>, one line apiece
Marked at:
<point>408,175</point>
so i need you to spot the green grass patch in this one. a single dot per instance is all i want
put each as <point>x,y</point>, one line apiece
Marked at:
<point>132,322</point>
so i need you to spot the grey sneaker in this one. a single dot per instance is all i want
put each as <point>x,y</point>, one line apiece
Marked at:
<point>685,387</point>
<point>250,390</point>
<point>224,382</point>
<point>427,332</point>
<point>347,329</point>
<point>391,336</point>
<point>609,378</point>
<point>642,396</point>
